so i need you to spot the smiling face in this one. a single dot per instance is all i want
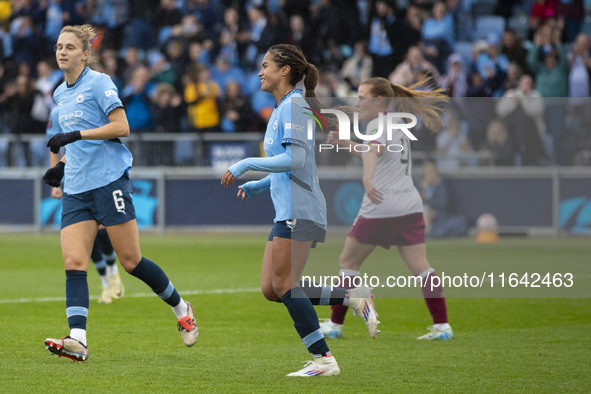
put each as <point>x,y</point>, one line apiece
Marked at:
<point>270,73</point>
<point>69,52</point>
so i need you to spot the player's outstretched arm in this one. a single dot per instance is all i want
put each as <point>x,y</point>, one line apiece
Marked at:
<point>293,158</point>
<point>253,188</point>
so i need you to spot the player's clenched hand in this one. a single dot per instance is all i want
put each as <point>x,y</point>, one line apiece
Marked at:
<point>228,179</point>
<point>56,192</point>
<point>54,175</point>
<point>61,139</point>
<point>373,194</point>
<point>241,193</point>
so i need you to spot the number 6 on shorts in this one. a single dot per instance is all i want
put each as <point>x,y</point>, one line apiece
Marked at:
<point>119,202</point>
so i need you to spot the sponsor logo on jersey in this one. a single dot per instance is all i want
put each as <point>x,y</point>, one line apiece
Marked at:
<point>70,118</point>
<point>110,92</point>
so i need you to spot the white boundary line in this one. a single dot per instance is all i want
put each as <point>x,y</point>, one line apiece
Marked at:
<point>136,295</point>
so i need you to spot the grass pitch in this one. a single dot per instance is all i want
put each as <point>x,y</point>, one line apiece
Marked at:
<point>248,345</point>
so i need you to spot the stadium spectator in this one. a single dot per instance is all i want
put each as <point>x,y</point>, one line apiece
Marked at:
<point>112,15</point>
<point>391,213</point>
<point>132,59</point>
<point>97,189</point>
<point>300,209</point>
<point>201,95</point>
<point>407,32</point>
<point>263,33</point>
<point>579,80</point>
<point>512,47</point>
<point>478,86</point>
<point>522,112</point>
<point>405,73</point>
<point>514,73</point>
<point>26,112</point>
<point>135,98</point>
<point>571,13</point>
<point>381,37</point>
<point>335,29</point>
<point>47,79</point>
<point>297,30</point>
<point>25,40</point>
<point>548,61</point>
<point>454,81</point>
<point>541,11</point>
<point>140,30</point>
<point>209,14</point>
<point>110,63</point>
<point>499,144</point>
<point>54,20</point>
<point>199,52</point>
<point>438,34</point>
<point>228,40</point>
<point>177,58</point>
<point>358,67</point>
<point>451,143</point>
<point>168,112</point>
<point>167,16</point>
<point>161,70</point>
<point>237,115</point>
<point>493,65</point>
<point>224,72</point>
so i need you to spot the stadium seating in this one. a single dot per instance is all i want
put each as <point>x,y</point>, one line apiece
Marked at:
<point>485,25</point>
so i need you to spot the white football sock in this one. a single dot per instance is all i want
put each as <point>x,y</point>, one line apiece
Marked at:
<point>78,334</point>
<point>181,309</point>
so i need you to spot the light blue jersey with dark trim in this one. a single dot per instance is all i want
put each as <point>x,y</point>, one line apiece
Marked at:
<point>296,194</point>
<point>90,164</point>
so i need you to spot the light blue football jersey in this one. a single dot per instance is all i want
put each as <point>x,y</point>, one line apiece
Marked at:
<point>90,164</point>
<point>296,194</point>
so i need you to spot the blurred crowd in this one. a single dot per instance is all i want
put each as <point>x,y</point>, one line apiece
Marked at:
<point>190,66</point>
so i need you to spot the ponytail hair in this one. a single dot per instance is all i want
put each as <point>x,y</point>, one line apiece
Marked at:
<point>292,56</point>
<point>416,99</point>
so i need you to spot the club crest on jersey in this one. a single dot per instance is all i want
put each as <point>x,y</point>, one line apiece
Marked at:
<point>80,98</point>
<point>275,125</point>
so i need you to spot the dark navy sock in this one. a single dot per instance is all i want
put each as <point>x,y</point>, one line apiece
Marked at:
<point>77,298</point>
<point>105,244</point>
<point>97,258</point>
<point>152,275</point>
<point>323,295</point>
<point>305,320</point>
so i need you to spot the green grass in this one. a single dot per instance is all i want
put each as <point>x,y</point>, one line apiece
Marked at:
<point>247,344</point>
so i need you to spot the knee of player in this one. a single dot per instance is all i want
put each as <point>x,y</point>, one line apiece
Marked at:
<point>128,263</point>
<point>269,294</point>
<point>280,288</point>
<point>75,263</point>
